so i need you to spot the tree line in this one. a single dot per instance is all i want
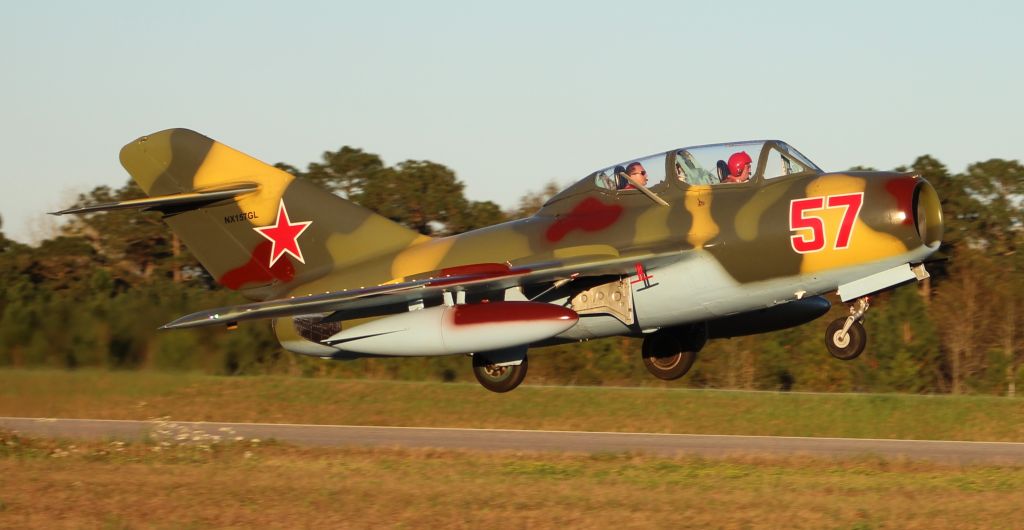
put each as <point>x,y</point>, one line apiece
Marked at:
<point>93,294</point>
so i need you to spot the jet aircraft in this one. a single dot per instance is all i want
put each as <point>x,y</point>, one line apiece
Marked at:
<point>680,247</point>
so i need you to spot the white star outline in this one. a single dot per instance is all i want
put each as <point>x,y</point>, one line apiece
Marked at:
<point>282,211</point>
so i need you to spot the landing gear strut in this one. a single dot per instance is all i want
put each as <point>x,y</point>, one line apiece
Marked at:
<point>845,338</point>
<point>498,377</point>
<point>669,353</point>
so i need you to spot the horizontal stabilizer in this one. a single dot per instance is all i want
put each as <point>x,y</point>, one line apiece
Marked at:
<point>175,203</point>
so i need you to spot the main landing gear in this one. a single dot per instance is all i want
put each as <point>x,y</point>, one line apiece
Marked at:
<point>669,353</point>
<point>845,338</point>
<point>498,377</point>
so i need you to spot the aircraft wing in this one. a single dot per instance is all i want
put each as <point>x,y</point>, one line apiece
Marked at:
<point>480,278</point>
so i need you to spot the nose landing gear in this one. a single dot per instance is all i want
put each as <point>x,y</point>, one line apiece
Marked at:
<point>845,338</point>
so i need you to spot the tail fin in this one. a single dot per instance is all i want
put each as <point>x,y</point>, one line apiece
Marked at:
<point>285,232</point>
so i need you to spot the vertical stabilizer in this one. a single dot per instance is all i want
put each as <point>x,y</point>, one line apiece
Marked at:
<point>284,233</point>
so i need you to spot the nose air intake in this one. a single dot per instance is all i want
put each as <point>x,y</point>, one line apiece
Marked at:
<point>928,214</point>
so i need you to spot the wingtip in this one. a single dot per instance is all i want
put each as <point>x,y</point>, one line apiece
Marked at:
<point>175,324</point>
<point>194,320</point>
<point>66,211</point>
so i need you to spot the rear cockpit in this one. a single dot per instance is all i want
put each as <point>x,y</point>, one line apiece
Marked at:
<point>739,163</point>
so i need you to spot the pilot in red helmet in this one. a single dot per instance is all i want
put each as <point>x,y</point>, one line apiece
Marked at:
<point>739,167</point>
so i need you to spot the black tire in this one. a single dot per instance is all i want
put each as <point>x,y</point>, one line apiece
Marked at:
<point>693,337</point>
<point>853,345</point>
<point>499,378</point>
<point>667,356</point>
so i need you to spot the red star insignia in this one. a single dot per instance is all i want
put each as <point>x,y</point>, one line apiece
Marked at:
<point>284,235</point>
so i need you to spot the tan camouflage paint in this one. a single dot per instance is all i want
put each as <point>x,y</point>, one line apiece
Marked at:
<point>744,226</point>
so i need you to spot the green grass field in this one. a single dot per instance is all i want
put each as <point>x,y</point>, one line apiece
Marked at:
<point>143,395</point>
<point>166,483</point>
<point>48,484</point>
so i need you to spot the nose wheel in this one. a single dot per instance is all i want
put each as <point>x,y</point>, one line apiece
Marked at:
<point>845,338</point>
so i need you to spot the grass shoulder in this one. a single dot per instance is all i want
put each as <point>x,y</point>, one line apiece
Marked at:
<point>202,483</point>
<point>281,399</point>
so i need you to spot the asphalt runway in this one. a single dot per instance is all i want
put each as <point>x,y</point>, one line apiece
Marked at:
<point>519,440</point>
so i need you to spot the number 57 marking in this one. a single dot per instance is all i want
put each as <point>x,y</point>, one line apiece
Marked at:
<point>803,217</point>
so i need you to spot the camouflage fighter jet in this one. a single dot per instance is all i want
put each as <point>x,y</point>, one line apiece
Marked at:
<point>679,247</point>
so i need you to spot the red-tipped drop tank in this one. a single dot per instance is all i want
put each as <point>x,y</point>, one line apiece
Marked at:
<point>465,328</point>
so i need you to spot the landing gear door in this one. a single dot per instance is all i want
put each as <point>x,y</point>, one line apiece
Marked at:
<point>613,298</point>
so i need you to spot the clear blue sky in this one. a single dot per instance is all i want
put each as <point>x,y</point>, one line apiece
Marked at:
<point>509,95</point>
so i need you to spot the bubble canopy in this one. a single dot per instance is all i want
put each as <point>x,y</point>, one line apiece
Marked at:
<point>703,165</point>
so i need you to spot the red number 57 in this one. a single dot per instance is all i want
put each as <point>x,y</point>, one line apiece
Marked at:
<point>803,217</point>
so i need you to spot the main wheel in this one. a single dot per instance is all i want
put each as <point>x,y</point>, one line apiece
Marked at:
<point>498,378</point>
<point>667,356</point>
<point>848,347</point>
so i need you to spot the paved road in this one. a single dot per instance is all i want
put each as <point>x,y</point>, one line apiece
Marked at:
<point>515,440</point>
